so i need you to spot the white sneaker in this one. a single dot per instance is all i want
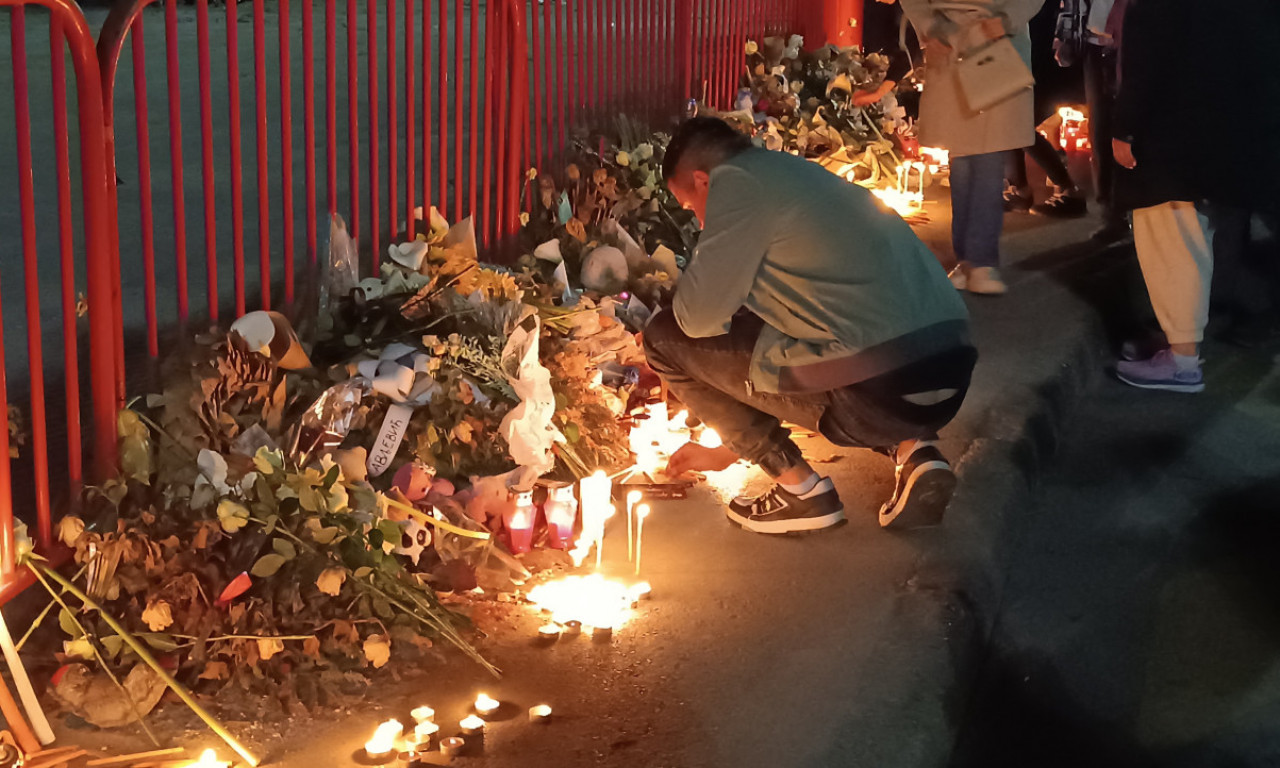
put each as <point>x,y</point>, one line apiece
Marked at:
<point>958,277</point>
<point>986,281</point>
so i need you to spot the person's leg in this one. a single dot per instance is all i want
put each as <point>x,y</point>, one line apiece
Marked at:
<point>710,376</point>
<point>1067,201</point>
<point>961,200</point>
<point>1099,89</point>
<point>1017,195</point>
<point>984,210</point>
<point>1177,265</point>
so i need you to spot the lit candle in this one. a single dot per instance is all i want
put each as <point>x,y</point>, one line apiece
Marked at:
<point>710,438</point>
<point>383,742</point>
<point>425,731</point>
<point>209,759</point>
<point>601,633</point>
<point>640,591</point>
<point>596,492</point>
<point>540,714</point>
<point>549,632</point>
<point>452,746</point>
<point>423,714</point>
<point>561,510</point>
<point>642,511</point>
<point>471,725</point>
<point>633,498</point>
<point>486,705</point>
<point>572,627</point>
<point>519,523</point>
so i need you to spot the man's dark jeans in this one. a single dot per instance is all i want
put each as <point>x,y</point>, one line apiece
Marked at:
<point>710,376</point>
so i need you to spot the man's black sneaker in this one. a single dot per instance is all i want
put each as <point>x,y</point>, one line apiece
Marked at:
<point>924,488</point>
<point>778,511</point>
<point>1112,232</point>
<point>1062,206</point>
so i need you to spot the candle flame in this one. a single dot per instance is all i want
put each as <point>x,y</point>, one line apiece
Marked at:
<point>710,438</point>
<point>209,759</point>
<point>486,703</point>
<point>471,723</point>
<point>384,738</point>
<point>591,600</point>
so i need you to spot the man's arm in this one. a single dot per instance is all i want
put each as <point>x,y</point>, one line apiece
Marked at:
<point>734,240</point>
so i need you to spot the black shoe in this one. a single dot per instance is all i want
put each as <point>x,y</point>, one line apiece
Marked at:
<point>778,511</point>
<point>1015,201</point>
<point>1112,232</point>
<point>1062,206</point>
<point>924,488</point>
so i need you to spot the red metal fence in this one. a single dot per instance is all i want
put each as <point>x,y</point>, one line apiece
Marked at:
<point>372,109</point>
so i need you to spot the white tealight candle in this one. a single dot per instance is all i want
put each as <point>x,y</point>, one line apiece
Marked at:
<point>471,725</point>
<point>452,746</point>
<point>486,705</point>
<point>383,742</point>
<point>425,731</point>
<point>549,632</point>
<point>423,714</point>
<point>540,713</point>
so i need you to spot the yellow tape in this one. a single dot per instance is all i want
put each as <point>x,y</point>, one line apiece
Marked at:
<point>441,524</point>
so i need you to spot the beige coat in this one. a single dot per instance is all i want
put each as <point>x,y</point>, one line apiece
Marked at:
<point>945,119</point>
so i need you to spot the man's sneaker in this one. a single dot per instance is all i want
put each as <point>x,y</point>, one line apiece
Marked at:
<point>922,492</point>
<point>986,281</point>
<point>1015,201</point>
<point>1160,372</point>
<point>1062,206</point>
<point>778,511</point>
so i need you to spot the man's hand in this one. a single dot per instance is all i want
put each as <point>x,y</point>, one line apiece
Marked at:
<point>692,457</point>
<point>1123,152</point>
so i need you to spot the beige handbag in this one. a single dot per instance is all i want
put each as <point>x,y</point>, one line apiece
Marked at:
<point>989,71</point>
<point>992,73</point>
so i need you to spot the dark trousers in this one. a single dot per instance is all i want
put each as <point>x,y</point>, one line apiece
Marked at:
<point>1100,94</point>
<point>710,376</point>
<point>1046,157</point>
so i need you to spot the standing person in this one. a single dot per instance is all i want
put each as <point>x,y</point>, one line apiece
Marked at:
<point>1163,186</point>
<point>977,141</point>
<point>1082,36</point>
<point>1067,200</point>
<point>806,301</point>
<point>882,32</point>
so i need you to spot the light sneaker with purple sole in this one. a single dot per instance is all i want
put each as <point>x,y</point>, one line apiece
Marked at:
<point>1161,371</point>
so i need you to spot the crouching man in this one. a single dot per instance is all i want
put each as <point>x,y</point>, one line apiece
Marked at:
<point>807,302</point>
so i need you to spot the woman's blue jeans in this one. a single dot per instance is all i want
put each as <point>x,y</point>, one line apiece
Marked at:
<point>977,207</point>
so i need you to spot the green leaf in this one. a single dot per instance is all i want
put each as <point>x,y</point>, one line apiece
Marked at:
<point>383,609</point>
<point>331,476</point>
<point>268,461</point>
<point>68,623</point>
<point>160,641</point>
<point>325,535</point>
<point>375,540</point>
<point>232,515</point>
<point>271,522</point>
<point>284,548</point>
<point>362,572</point>
<point>571,432</point>
<point>113,645</point>
<point>391,530</point>
<point>267,565</point>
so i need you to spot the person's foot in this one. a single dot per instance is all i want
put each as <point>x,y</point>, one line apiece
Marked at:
<point>1111,232</point>
<point>922,492</point>
<point>959,276</point>
<point>1164,371</point>
<point>777,511</point>
<point>1062,205</point>
<point>1016,201</point>
<point>986,281</point>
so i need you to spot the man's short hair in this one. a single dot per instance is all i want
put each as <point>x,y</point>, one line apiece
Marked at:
<point>700,144</point>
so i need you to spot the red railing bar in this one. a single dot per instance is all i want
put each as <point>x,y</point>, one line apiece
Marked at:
<point>237,183</point>
<point>353,124</point>
<point>143,133</point>
<point>518,69</point>
<point>598,53</point>
<point>175,157</point>
<point>309,127</point>
<point>457,110</point>
<point>491,68</point>
<point>552,46</point>
<point>581,49</point>
<point>331,102</point>
<point>31,281</point>
<point>206,159</point>
<point>260,135</point>
<point>535,87</point>
<point>473,127</point>
<point>426,113</point>
<point>286,147</point>
<point>497,225</point>
<point>443,119</point>
<point>410,135</point>
<point>375,205</point>
<point>393,138</point>
<point>70,358</point>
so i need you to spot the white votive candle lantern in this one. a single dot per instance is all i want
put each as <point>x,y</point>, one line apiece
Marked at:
<point>540,714</point>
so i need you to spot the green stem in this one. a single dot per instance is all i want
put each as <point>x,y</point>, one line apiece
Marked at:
<point>133,705</point>
<point>140,649</point>
<point>40,619</point>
